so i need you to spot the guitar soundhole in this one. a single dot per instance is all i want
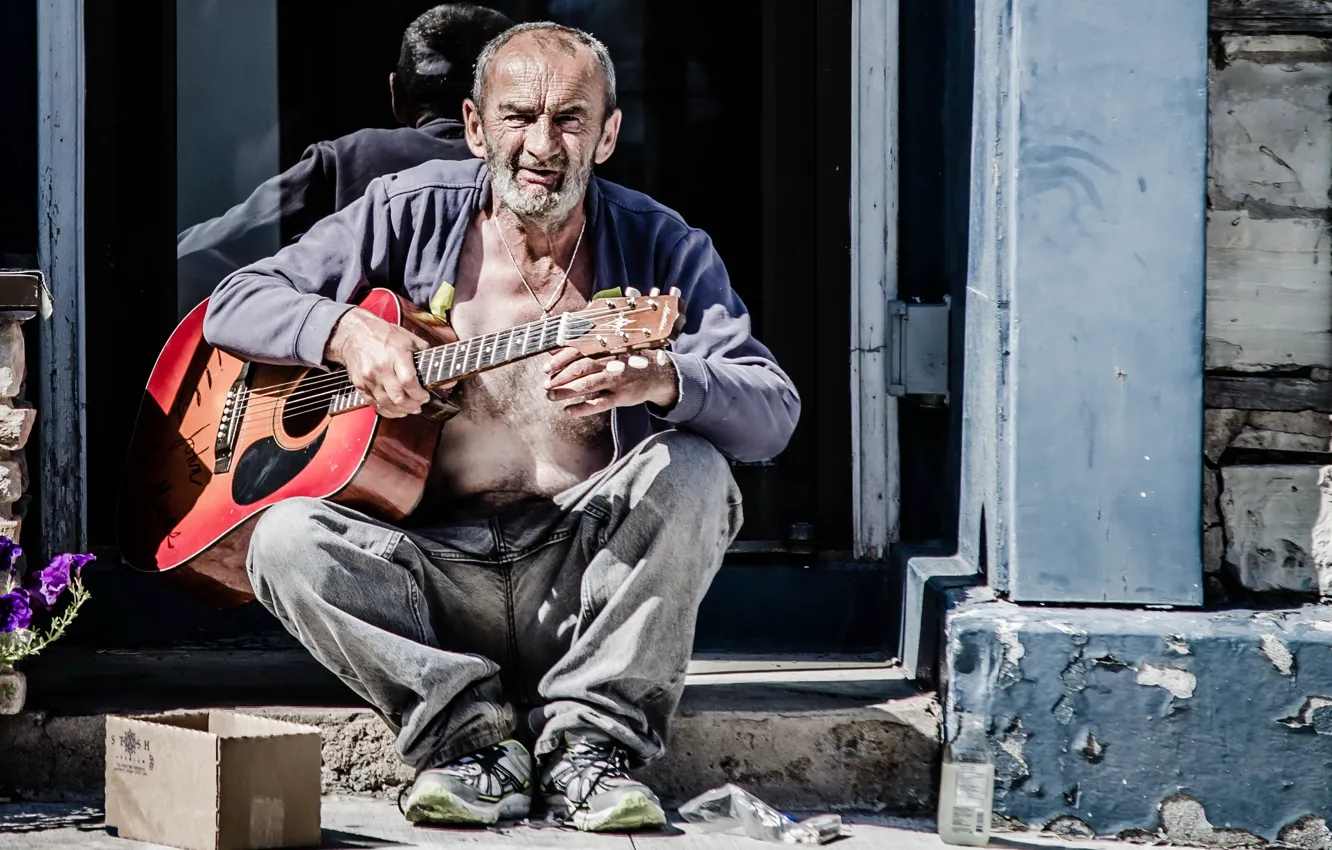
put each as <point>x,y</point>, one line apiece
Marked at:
<point>307,405</point>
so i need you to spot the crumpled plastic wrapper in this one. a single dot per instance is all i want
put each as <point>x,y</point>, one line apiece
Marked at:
<point>731,808</point>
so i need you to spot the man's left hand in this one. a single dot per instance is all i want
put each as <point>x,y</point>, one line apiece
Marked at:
<point>606,382</point>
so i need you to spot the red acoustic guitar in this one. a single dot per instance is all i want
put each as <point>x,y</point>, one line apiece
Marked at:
<point>219,439</point>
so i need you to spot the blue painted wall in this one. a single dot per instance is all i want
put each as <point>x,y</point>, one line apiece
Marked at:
<point>1106,715</point>
<point>1083,420</point>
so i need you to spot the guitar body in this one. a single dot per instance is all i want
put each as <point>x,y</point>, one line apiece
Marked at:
<point>184,513</point>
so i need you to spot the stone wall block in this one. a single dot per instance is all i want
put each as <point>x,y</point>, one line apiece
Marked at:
<point>11,482</point>
<point>1270,513</point>
<point>1270,139</point>
<point>1269,292</point>
<point>15,426</point>
<point>1219,428</point>
<point>11,527</point>
<point>1279,431</point>
<point>13,359</point>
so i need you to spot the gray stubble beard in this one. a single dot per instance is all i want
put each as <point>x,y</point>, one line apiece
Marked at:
<point>549,210</point>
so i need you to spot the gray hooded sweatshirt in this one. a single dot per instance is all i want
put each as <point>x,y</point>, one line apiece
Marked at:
<point>406,234</point>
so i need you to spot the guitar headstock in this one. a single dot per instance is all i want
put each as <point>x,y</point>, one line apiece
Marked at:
<point>630,323</point>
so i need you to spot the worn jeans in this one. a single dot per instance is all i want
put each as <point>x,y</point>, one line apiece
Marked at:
<point>577,613</point>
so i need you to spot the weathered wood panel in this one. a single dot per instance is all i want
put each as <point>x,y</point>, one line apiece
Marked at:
<point>1269,293</point>
<point>1271,16</point>
<point>1267,393</point>
<point>1270,133</point>
<point>59,375</point>
<point>1270,513</point>
<point>1269,127</point>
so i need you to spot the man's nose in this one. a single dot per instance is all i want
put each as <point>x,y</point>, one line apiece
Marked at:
<point>542,138</point>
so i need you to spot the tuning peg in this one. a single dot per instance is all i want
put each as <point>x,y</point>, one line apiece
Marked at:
<point>675,291</point>
<point>654,291</point>
<point>631,292</point>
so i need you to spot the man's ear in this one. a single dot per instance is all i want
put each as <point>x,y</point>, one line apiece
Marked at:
<point>401,102</point>
<point>610,134</point>
<point>476,139</point>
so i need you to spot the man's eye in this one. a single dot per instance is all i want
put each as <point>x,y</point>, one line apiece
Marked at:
<point>567,120</point>
<point>518,119</point>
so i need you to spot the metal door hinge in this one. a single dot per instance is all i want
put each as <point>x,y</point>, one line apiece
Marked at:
<point>918,349</point>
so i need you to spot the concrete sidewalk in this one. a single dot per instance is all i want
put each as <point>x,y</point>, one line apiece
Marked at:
<point>359,822</point>
<point>861,738</point>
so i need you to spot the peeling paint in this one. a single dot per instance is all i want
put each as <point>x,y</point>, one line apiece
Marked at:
<point>1309,832</point>
<point>1063,711</point>
<point>1069,826</point>
<point>1010,764</point>
<point>1180,683</point>
<point>1278,653</point>
<point>1184,821</point>
<point>1177,644</point>
<point>1010,670</point>
<point>1079,635</point>
<point>1074,674</point>
<point>1315,715</point>
<point>1093,749</point>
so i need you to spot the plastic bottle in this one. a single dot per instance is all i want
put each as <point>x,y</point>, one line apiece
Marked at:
<point>966,789</point>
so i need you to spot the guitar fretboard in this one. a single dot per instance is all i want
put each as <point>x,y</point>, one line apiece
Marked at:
<point>469,356</point>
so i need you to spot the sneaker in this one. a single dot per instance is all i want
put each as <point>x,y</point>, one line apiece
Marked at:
<point>588,783</point>
<point>482,788</point>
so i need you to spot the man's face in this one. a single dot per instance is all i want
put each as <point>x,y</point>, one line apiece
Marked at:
<point>542,128</point>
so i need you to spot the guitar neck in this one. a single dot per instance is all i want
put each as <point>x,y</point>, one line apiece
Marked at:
<point>458,360</point>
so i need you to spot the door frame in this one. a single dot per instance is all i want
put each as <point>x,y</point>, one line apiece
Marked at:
<point>875,452</point>
<point>60,389</point>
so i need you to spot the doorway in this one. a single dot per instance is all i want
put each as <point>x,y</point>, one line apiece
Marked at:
<point>736,115</point>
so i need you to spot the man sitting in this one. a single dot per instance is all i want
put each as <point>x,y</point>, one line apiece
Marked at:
<point>541,600</point>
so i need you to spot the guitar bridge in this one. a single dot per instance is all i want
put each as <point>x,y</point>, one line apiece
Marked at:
<point>228,428</point>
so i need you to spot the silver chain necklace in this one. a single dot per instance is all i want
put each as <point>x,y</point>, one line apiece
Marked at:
<point>559,290</point>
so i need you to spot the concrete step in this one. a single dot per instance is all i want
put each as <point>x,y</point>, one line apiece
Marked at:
<point>800,735</point>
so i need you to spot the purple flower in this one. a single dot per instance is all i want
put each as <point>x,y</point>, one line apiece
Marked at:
<point>9,554</point>
<point>52,581</point>
<point>15,612</point>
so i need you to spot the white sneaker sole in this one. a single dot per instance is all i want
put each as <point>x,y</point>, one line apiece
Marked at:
<point>441,807</point>
<point>633,811</point>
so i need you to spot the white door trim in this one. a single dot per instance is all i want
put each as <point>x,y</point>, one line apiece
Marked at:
<point>874,442</point>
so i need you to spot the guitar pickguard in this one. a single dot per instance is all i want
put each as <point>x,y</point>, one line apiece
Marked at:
<point>265,466</point>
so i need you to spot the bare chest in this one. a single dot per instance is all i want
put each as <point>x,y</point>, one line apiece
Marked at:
<point>509,440</point>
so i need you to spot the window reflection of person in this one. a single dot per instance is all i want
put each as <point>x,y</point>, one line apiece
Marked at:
<point>433,78</point>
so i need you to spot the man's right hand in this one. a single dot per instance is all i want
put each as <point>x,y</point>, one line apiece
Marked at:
<point>379,360</point>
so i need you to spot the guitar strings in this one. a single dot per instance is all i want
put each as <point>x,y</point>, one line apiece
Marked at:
<point>261,417</point>
<point>319,393</point>
<point>591,314</point>
<point>337,381</point>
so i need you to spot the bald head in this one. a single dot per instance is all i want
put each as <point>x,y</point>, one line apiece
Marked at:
<point>526,48</point>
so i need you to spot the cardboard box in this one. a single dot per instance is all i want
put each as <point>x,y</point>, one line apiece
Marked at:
<point>213,780</point>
